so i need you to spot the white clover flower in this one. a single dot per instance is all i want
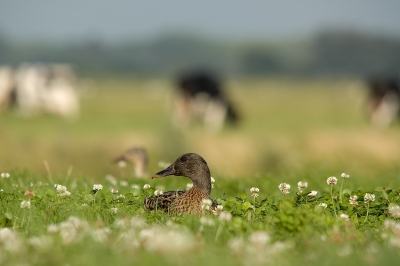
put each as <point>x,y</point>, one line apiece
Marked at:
<point>146,186</point>
<point>323,205</point>
<point>97,187</point>
<point>331,181</point>
<point>158,193</point>
<point>189,186</point>
<point>25,204</point>
<point>84,205</point>
<point>217,211</point>
<point>121,164</point>
<point>1,190</point>
<point>206,204</point>
<point>64,194</point>
<point>313,193</point>
<point>120,196</point>
<point>302,184</point>
<point>284,188</point>
<point>394,211</point>
<point>114,190</point>
<point>61,189</point>
<point>344,217</point>
<point>206,221</point>
<point>114,210</point>
<point>5,175</point>
<point>353,200</point>
<point>344,175</point>
<point>254,189</point>
<point>225,216</point>
<point>369,198</point>
<point>212,182</point>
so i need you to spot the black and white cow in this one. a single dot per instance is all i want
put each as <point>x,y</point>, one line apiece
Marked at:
<point>200,97</point>
<point>384,100</point>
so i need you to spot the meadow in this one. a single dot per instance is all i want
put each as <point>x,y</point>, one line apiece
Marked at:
<point>291,130</point>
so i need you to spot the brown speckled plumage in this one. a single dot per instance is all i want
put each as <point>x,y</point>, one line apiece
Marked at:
<point>178,202</point>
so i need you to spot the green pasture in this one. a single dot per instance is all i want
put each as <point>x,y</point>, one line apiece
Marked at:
<point>291,130</point>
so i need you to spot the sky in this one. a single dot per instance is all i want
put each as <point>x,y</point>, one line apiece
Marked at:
<point>114,21</point>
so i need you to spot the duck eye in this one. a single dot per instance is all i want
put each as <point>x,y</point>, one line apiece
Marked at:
<point>184,159</point>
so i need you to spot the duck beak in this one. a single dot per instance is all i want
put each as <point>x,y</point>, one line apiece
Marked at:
<point>166,172</point>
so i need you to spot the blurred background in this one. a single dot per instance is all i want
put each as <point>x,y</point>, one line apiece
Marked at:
<point>259,89</point>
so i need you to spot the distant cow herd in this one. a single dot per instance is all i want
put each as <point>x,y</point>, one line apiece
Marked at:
<point>200,98</point>
<point>39,88</point>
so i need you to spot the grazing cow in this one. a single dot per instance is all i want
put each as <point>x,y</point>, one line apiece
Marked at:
<point>6,87</point>
<point>384,101</point>
<point>137,156</point>
<point>201,97</point>
<point>35,88</point>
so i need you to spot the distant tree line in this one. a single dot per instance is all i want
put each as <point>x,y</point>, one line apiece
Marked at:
<point>328,53</point>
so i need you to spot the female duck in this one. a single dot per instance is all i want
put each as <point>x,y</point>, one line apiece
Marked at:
<point>190,165</point>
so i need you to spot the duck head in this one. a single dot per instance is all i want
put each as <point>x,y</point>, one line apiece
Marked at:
<point>190,165</point>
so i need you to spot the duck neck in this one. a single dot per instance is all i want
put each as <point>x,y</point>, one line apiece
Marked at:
<point>203,182</point>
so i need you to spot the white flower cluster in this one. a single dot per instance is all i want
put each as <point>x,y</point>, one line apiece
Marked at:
<point>254,191</point>
<point>62,191</point>
<point>313,193</point>
<point>71,231</point>
<point>331,181</point>
<point>300,186</point>
<point>392,232</point>
<point>394,211</point>
<point>323,205</point>
<point>258,248</point>
<point>284,188</point>
<point>189,186</point>
<point>11,241</point>
<point>5,175</point>
<point>368,198</point>
<point>114,210</point>
<point>225,216</point>
<point>158,193</point>
<point>353,200</point>
<point>114,190</point>
<point>120,197</point>
<point>344,217</point>
<point>345,176</point>
<point>212,182</point>
<point>97,187</point>
<point>146,186</point>
<point>206,204</point>
<point>218,210</point>
<point>171,240</point>
<point>26,204</point>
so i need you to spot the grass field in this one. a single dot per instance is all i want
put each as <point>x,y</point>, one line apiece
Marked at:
<point>291,130</point>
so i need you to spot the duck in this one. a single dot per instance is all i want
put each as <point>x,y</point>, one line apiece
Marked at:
<point>137,156</point>
<point>178,202</point>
